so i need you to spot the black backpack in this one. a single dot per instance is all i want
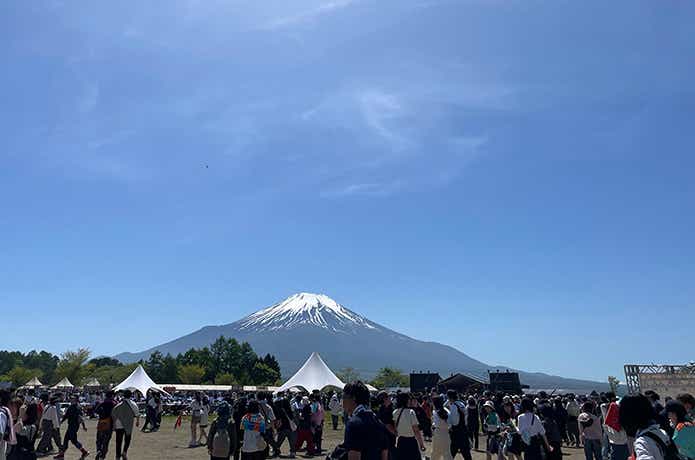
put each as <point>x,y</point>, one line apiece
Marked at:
<point>669,451</point>
<point>8,427</point>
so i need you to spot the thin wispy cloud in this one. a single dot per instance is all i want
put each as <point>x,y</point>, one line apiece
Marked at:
<point>379,109</point>
<point>308,15</point>
<point>90,98</point>
<point>367,189</point>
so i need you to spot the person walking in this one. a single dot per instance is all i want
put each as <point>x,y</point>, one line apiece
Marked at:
<point>409,442</point>
<point>26,431</point>
<point>254,426</point>
<point>572,408</point>
<point>552,432</point>
<point>617,438</point>
<point>73,415</point>
<point>125,414</point>
<point>336,409</point>
<point>204,415</point>
<point>50,427</point>
<point>532,432</point>
<point>491,426</point>
<point>317,418</point>
<point>590,432</point>
<point>195,408</point>
<point>441,441</point>
<point>304,434</point>
<point>222,440</point>
<point>460,441</point>
<point>473,422</point>
<point>287,426</point>
<point>104,425</point>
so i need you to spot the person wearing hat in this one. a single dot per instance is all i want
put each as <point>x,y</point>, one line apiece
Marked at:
<point>222,439</point>
<point>491,426</point>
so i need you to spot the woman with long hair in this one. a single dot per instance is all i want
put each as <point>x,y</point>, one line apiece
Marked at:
<point>26,430</point>
<point>407,430</point>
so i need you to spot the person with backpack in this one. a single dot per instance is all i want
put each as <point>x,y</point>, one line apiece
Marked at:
<point>366,438</point>
<point>638,419</point>
<point>683,428</point>
<point>73,415</point>
<point>460,441</point>
<point>590,432</point>
<point>552,432</point>
<point>125,414</point>
<point>409,442</point>
<point>26,431</point>
<point>532,432</point>
<point>222,439</point>
<point>50,427</point>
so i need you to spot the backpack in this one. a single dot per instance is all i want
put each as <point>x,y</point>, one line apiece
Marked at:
<point>221,444</point>
<point>669,451</point>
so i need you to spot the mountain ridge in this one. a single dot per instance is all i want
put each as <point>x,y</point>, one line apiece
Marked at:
<point>305,322</point>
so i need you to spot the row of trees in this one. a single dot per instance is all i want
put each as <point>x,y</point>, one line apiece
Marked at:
<point>225,362</point>
<point>387,377</point>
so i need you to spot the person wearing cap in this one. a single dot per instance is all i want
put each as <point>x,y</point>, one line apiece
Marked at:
<point>572,408</point>
<point>336,409</point>
<point>590,432</point>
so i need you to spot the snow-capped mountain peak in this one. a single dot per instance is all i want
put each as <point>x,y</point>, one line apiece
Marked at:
<point>305,309</point>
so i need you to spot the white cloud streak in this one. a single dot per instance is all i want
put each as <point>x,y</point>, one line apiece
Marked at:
<point>309,15</point>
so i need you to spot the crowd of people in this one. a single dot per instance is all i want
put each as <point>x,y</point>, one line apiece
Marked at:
<point>383,426</point>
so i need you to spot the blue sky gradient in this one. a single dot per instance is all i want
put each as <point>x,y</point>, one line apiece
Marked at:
<point>513,178</point>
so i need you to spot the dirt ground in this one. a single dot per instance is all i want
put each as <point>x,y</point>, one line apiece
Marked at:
<point>173,444</point>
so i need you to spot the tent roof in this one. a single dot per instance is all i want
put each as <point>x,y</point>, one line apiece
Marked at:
<point>371,388</point>
<point>35,382</point>
<point>461,380</point>
<point>65,383</point>
<point>93,382</point>
<point>313,375</point>
<point>138,380</point>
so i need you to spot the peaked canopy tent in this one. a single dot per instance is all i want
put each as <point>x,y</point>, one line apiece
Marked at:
<point>138,380</point>
<point>33,383</point>
<point>313,375</point>
<point>63,385</point>
<point>92,383</point>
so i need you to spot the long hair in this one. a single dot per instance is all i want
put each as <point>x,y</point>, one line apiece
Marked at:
<point>438,404</point>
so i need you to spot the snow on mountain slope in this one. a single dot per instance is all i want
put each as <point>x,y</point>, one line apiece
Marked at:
<point>306,309</point>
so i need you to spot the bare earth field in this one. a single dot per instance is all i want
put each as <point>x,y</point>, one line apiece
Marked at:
<point>170,444</point>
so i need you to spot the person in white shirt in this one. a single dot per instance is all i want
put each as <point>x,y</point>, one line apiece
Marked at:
<point>441,441</point>
<point>532,432</point>
<point>50,426</point>
<point>409,443</point>
<point>617,439</point>
<point>195,409</point>
<point>336,408</point>
<point>460,442</point>
<point>637,418</point>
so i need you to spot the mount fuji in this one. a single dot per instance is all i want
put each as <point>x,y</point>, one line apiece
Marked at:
<point>294,328</point>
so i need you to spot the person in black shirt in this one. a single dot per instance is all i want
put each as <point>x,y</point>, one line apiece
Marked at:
<point>366,438</point>
<point>104,425</point>
<point>73,415</point>
<point>385,416</point>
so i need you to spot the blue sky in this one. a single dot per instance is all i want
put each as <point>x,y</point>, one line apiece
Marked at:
<point>513,178</point>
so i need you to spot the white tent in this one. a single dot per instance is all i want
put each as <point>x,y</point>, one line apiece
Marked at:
<point>33,383</point>
<point>371,388</point>
<point>138,380</point>
<point>63,384</point>
<point>93,382</point>
<point>313,375</point>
